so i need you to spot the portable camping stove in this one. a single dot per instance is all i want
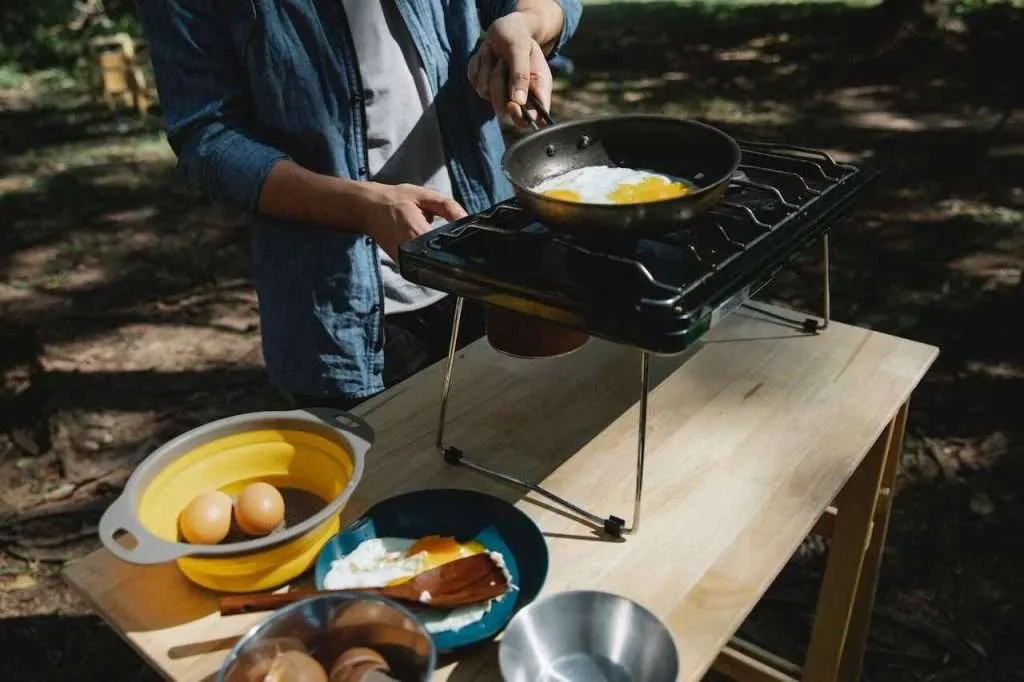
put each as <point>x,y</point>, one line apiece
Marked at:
<point>659,295</point>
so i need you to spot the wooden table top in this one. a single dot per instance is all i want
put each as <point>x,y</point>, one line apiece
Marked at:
<point>749,440</point>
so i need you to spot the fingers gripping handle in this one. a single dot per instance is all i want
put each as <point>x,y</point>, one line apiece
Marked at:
<point>538,108</point>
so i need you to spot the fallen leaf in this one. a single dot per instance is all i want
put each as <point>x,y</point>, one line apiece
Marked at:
<point>20,582</point>
<point>978,648</point>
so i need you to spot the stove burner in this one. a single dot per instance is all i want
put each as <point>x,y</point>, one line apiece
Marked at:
<point>658,293</point>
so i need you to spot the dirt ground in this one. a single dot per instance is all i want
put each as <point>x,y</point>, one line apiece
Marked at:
<point>128,313</point>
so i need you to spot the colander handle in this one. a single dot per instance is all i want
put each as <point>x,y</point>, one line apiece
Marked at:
<point>358,431</point>
<point>118,519</point>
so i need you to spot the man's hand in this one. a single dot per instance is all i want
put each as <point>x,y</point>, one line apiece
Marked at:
<point>508,64</point>
<point>397,213</point>
<point>390,214</point>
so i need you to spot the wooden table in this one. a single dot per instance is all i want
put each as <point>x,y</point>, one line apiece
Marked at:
<point>753,442</point>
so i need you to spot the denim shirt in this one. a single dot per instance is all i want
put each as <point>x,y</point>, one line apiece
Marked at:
<point>245,83</point>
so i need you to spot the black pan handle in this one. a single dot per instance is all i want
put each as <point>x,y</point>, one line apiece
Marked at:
<point>543,113</point>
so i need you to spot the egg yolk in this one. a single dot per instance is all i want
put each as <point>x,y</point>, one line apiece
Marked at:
<point>563,194</point>
<point>648,189</point>
<point>440,550</point>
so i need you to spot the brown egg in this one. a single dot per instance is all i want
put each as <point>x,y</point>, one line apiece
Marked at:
<point>207,518</point>
<point>259,508</point>
<point>354,664</point>
<point>295,666</point>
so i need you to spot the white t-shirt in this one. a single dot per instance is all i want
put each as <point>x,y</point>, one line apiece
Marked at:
<point>403,138</point>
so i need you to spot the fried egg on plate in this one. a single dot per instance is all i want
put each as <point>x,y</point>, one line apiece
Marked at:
<point>612,185</point>
<point>379,562</point>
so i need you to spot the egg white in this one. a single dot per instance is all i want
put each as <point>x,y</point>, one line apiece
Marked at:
<point>593,184</point>
<point>378,561</point>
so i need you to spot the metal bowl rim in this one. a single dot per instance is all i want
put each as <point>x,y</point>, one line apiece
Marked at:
<point>568,594</point>
<point>259,628</point>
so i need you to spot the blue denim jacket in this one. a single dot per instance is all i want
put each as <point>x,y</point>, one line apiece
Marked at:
<point>244,83</point>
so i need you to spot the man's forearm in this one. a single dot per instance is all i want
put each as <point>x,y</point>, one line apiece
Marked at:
<point>546,20</point>
<point>291,192</point>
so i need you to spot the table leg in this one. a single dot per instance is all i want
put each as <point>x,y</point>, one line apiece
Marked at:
<point>847,593</point>
<point>857,526</point>
<point>860,623</point>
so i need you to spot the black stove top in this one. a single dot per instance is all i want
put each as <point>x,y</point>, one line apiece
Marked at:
<point>659,294</point>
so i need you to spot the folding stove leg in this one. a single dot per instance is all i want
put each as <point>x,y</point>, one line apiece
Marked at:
<point>453,345</point>
<point>809,325</point>
<point>641,438</point>
<point>827,312</point>
<point>612,525</point>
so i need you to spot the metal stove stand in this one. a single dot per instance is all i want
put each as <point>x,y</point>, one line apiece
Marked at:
<point>612,525</point>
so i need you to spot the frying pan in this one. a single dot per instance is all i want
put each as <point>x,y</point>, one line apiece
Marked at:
<point>692,151</point>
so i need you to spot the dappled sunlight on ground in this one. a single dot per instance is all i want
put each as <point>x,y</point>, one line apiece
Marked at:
<point>132,315</point>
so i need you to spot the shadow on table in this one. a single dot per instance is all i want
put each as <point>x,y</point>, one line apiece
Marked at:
<point>180,600</point>
<point>60,648</point>
<point>486,420</point>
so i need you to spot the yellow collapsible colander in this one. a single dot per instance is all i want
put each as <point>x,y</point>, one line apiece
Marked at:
<point>318,450</point>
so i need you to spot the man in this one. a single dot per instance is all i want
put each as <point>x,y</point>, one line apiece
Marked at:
<point>346,127</point>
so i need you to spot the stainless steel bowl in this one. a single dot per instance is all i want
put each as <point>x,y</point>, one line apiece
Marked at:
<point>326,626</point>
<point>587,637</point>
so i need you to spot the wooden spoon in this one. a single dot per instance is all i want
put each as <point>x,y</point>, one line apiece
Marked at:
<point>465,581</point>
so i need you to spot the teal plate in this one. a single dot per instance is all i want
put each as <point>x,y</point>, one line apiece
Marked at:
<point>465,515</point>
